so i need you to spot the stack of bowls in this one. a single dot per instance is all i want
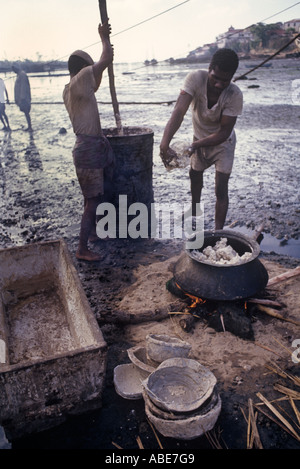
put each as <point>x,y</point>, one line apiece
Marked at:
<point>181,400</point>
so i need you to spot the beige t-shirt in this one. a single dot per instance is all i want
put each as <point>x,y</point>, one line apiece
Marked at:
<point>207,121</point>
<point>80,101</point>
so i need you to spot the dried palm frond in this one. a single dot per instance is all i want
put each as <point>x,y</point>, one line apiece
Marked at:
<point>285,423</point>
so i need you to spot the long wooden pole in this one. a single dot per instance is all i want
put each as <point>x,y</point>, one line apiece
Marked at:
<point>104,17</point>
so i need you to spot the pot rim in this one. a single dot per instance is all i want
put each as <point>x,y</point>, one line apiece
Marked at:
<point>252,244</point>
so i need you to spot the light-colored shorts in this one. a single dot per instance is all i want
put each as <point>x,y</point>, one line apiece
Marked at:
<point>91,181</point>
<point>221,156</point>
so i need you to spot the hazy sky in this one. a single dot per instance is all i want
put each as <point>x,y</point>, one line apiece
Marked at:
<point>52,29</point>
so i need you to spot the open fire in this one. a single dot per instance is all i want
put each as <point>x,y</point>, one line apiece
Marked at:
<point>219,292</point>
<point>195,300</point>
<point>235,316</point>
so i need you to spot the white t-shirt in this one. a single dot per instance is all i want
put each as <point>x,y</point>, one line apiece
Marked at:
<point>207,121</point>
<point>81,104</point>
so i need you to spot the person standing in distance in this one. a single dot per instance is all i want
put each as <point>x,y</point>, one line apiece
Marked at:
<point>216,104</point>
<point>23,94</point>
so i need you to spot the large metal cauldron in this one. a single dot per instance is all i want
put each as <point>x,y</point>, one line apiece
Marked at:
<point>219,281</point>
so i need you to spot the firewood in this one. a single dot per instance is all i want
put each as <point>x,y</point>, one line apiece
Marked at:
<point>263,301</point>
<point>187,322</point>
<point>285,276</point>
<point>274,314</point>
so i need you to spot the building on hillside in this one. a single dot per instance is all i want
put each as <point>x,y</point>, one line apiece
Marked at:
<point>202,53</point>
<point>243,36</point>
<point>292,24</point>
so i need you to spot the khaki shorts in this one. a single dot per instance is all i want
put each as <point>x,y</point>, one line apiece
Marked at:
<point>91,181</point>
<point>221,156</point>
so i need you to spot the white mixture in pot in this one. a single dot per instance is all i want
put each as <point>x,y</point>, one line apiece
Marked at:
<point>221,253</point>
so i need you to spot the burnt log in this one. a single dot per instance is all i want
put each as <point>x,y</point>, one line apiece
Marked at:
<point>231,317</point>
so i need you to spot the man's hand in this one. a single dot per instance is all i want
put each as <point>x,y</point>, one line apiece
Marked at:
<point>182,104</point>
<point>104,30</point>
<point>167,155</point>
<point>107,53</point>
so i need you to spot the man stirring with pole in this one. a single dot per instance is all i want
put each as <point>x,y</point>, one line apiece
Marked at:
<point>92,154</point>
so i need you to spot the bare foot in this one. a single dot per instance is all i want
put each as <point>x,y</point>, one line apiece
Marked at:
<point>88,256</point>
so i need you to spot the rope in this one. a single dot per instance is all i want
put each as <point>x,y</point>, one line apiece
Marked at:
<point>106,103</point>
<point>267,60</point>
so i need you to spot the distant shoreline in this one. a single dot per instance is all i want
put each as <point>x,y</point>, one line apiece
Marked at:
<point>46,67</point>
<point>252,56</point>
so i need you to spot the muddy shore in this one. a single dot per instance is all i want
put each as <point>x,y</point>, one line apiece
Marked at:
<point>41,201</point>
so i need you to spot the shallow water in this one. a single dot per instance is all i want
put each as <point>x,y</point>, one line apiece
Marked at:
<point>271,244</point>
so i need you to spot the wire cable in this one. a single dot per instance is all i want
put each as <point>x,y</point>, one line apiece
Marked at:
<point>288,8</point>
